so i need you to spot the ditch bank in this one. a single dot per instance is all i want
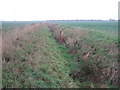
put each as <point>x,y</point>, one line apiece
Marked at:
<point>97,65</point>
<point>40,59</point>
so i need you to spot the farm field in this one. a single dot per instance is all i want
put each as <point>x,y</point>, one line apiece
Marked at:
<point>60,54</point>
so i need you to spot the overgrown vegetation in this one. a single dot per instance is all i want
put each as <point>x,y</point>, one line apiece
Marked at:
<point>83,56</point>
<point>38,62</point>
<point>96,52</point>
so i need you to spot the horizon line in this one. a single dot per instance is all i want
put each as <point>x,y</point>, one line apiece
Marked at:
<point>67,20</point>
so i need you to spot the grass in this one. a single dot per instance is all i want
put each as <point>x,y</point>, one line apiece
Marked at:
<point>37,60</point>
<point>96,52</point>
<point>40,60</point>
<point>7,26</point>
<point>110,27</point>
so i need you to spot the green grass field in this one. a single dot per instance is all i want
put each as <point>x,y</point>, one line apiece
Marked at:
<point>88,57</point>
<point>108,26</point>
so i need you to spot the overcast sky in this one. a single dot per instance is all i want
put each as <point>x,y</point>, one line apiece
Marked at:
<point>58,9</point>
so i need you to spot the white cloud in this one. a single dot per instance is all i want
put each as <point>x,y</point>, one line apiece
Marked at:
<point>58,9</point>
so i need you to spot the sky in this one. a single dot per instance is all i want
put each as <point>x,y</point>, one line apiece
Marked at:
<point>29,10</point>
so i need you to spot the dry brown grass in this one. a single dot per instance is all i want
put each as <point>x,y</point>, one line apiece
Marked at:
<point>10,39</point>
<point>74,35</point>
<point>68,39</point>
<point>71,38</point>
<point>57,32</point>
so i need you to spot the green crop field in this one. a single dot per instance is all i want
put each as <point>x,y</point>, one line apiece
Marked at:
<point>108,26</point>
<point>10,25</point>
<point>60,54</point>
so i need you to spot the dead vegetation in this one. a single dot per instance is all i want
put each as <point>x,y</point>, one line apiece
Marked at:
<point>35,56</point>
<point>10,39</point>
<point>95,66</point>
